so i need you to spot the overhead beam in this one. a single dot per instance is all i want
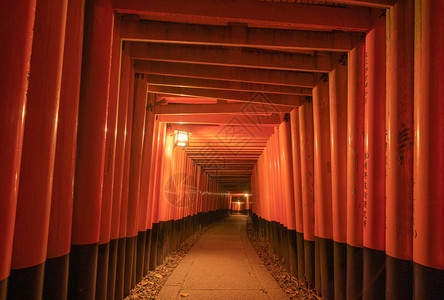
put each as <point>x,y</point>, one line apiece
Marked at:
<point>222,133</point>
<point>224,146</point>
<point>232,57</point>
<point>226,120</point>
<point>253,13</point>
<point>232,108</point>
<point>244,150</point>
<point>238,36</point>
<point>249,97</point>
<point>259,140</point>
<point>206,163</point>
<point>369,3</point>
<point>290,78</point>
<point>226,85</point>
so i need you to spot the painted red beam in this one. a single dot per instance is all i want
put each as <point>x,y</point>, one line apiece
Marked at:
<point>369,3</point>
<point>238,36</point>
<point>254,13</point>
<point>232,56</point>
<point>225,148</point>
<point>219,144</point>
<point>222,133</point>
<point>226,85</point>
<point>203,163</point>
<point>250,97</point>
<point>290,78</point>
<point>274,120</point>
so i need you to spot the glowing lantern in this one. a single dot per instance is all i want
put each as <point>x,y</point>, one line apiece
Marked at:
<point>181,138</point>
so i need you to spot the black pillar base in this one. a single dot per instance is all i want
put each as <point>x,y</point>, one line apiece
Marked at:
<point>83,272</point>
<point>120,268</point>
<point>102,272</point>
<point>3,288</point>
<point>112,265</point>
<point>26,283</point>
<point>374,274</point>
<point>56,278</point>
<point>141,236</point>
<point>129,264</point>
<point>327,268</point>
<point>428,283</point>
<point>399,281</point>
<point>340,269</point>
<point>153,247</point>
<point>300,254</point>
<point>146,259</point>
<point>309,255</point>
<point>318,283</point>
<point>354,272</point>
<point>292,249</point>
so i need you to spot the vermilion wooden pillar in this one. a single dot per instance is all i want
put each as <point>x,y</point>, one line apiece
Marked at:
<point>144,188</point>
<point>286,161</point>
<point>338,146</point>
<point>39,141</point>
<point>374,163</point>
<point>107,250</point>
<point>399,168</point>
<point>322,183</point>
<point>16,24</point>
<point>265,170</point>
<point>90,148</point>
<point>115,274</point>
<point>59,239</point>
<point>125,188</point>
<point>136,147</point>
<point>355,169</point>
<point>149,217</point>
<point>155,194</point>
<point>270,181</point>
<point>428,168</point>
<point>297,188</point>
<point>282,240</point>
<point>306,144</point>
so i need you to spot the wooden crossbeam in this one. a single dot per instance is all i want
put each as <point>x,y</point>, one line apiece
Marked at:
<point>237,36</point>
<point>226,85</point>
<point>231,56</point>
<point>254,13</point>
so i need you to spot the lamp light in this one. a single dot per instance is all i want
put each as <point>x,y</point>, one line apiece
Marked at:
<point>181,138</point>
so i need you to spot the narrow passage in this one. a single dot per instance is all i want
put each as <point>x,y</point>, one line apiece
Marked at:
<point>222,265</point>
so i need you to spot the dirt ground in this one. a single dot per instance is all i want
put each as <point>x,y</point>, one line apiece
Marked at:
<point>291,286</point>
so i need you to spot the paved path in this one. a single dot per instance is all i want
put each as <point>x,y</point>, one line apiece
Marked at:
<point>222,265</point>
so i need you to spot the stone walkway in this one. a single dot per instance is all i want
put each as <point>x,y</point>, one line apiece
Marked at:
<point>222,265</point>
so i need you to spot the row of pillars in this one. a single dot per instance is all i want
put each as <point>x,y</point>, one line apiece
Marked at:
<point>361,191</point>
<point>87,174</point>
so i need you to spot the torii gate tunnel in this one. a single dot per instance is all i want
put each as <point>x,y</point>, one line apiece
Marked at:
<point>128,125</point>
